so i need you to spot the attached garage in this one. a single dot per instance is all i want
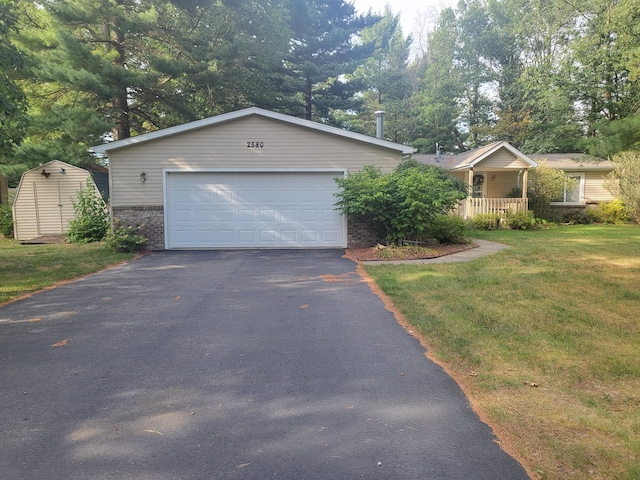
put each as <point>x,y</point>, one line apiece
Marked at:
<point>252,209</point>
<point>246,179</point>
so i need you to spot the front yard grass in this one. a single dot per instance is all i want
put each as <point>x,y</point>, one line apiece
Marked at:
<point>27,268</point>
<point>545,339</point>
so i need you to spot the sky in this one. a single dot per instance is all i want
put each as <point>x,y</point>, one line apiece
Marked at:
<point>414,13</point>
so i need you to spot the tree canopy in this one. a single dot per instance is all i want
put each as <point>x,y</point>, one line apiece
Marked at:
<point>550,76</point>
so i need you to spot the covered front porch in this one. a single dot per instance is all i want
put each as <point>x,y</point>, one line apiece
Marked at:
<point>496,174</point>
<point>491,206</point>
<point>493,192</point>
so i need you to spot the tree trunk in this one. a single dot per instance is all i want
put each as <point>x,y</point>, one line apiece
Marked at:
<point>308,97</point>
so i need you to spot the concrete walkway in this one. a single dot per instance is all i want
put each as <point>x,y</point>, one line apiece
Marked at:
<point>484,248</point>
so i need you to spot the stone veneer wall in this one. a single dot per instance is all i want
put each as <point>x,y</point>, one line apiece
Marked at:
<point>360,234</point>
<point>151,220</point>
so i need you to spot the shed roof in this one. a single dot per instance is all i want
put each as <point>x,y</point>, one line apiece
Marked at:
<point>207,122</point>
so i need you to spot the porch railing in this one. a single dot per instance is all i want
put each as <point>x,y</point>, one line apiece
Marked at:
<point>476,206</point>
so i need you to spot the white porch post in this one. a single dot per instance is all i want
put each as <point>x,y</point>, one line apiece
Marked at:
<point>525,179</point>
<point>469,210</point>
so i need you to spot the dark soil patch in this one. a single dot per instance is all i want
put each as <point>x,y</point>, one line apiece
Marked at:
<point>407,253</point>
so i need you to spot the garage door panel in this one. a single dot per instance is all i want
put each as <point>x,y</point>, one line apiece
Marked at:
<point>267,215</point>
<point>224,209</point>
<point>330,215</point>
<point>308,215</point>
<point>288,215</point>
<point>245,215</point>
<point>221,215</point>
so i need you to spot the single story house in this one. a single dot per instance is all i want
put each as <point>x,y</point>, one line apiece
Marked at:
<point>246,179</point>
<point>44,200</point>
<point>590,173</point>
<point>497,171</point>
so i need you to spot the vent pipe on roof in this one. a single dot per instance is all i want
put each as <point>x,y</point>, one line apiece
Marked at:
<point>379,123</point>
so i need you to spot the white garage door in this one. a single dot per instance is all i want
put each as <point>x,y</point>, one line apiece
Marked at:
<point>253,209</point>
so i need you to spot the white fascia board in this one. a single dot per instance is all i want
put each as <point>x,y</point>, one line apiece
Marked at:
<point>517,153</point>
<point>186,127</point>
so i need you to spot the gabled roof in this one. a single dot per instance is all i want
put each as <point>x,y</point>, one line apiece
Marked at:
<point>465,160</point>
<point>207,122</point>
<point>473,157</point>
<point>56,164</point>
<point>574,161</point>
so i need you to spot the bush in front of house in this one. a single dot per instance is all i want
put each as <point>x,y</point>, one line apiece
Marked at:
<point>91,222</point>
<point>448,229</point>
<point>624,182</point>
<point>577,217</point>
<point>6,221</point>
<point>485,221</point>
<point>400,205</point>
<point>614,212</point>
<point>125,239</point>
<point>523,220</point>
<point>546,184</point>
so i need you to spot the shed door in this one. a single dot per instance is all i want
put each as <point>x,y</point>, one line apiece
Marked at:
<point>48,208</point>
<point>253,210</point>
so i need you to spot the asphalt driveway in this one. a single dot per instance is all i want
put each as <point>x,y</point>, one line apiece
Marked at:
<point>229,365</point>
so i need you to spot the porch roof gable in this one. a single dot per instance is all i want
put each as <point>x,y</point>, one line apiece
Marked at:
<point>472,158</point>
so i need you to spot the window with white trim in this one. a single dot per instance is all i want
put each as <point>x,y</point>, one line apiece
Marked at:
<point>573,193</point>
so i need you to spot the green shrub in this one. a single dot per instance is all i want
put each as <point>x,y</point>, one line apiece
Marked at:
<point>624,182</point>
<point>125,239</point>
<point>400,205</point>
<point>547,184</point>
<point>609,212</point>
<point>6,221</point>
<point>577,217</point>
<point>523,220</point>
<point>485,221</point>
<point>448,229</point>
<point>92,218</point>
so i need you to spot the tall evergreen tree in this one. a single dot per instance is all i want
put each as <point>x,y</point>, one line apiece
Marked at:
<point>605,88</point>
<point>438,107</point>
<point>13,103</point>
<point>324,49</point>
<point>123,67</point>
<point>385,80</point>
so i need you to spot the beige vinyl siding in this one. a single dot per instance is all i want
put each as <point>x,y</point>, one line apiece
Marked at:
<point>498,188</point>
<point>44,206</point>
<point>503,184</point>
<point>594,189</point>
<point>224,146</point>
<point>500,159</point>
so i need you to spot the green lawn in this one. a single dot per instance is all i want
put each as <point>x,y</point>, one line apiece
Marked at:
<point>545,338</point>
<point>28,268</point>
<point>560,310</point>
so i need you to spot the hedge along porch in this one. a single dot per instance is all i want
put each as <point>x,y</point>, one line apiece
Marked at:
<point>251,178</point>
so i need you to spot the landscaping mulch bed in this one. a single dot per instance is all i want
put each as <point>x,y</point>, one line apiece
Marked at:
<point>382,253</point>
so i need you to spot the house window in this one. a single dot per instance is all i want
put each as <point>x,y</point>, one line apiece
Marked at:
<point>573,191</point>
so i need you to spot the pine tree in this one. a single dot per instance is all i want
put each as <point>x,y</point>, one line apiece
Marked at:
<point>323,51</point>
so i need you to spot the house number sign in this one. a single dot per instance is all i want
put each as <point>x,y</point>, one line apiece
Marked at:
<point>255,144</point>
